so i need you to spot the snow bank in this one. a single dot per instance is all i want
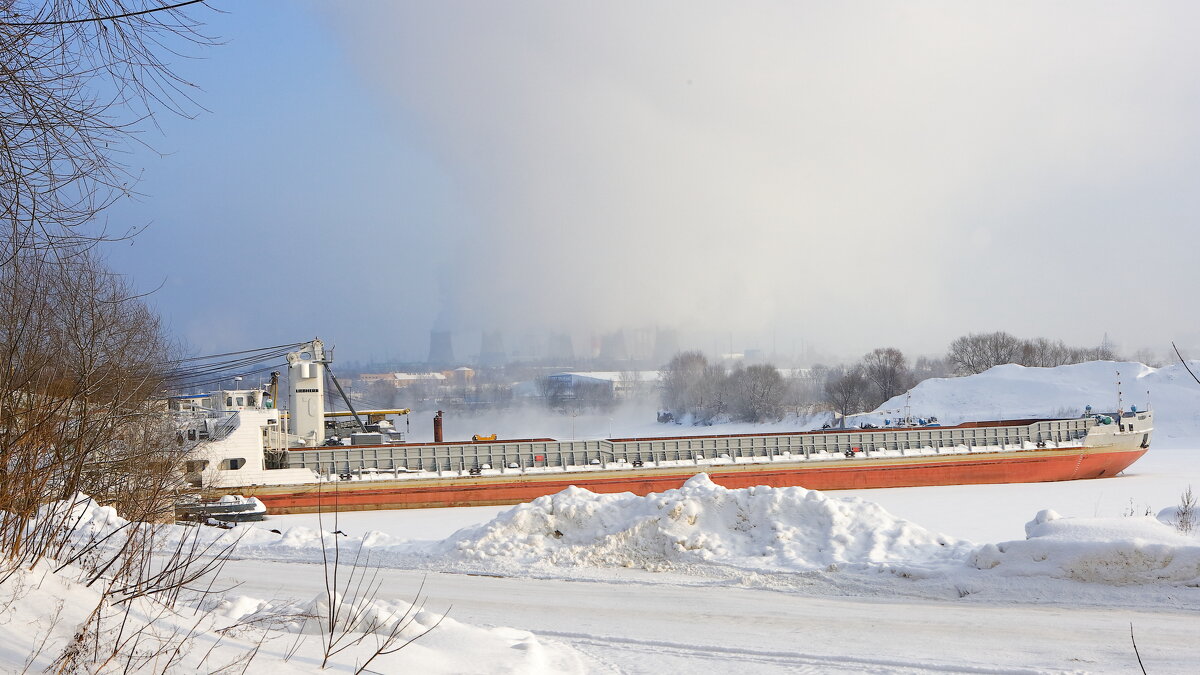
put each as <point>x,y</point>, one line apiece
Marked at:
<point>43,608</point>
<point>83,516</point>
<point>1013,391</point>
<point>1121,551</point>
<point>762,527</point>
<point>444,644</point>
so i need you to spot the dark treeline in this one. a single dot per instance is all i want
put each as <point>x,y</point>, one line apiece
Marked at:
<point>697,391</point>
<point>977,352</point>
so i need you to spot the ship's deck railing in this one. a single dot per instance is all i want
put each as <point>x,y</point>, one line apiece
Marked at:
<point>207,425</point>
<point>453,457</point>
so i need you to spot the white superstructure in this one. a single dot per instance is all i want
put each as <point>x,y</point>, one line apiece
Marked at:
<point>239,430</point>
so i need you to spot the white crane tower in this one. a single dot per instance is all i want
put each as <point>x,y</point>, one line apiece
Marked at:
<point>306,380</point>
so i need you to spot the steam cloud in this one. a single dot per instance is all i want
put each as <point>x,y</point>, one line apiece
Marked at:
<point>848,173</point>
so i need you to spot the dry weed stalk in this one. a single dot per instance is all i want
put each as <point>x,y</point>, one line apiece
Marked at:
<point>351,604</point>
<point>1185,513</point>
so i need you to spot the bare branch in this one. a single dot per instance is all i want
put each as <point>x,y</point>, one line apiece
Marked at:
<point>1185,365</point>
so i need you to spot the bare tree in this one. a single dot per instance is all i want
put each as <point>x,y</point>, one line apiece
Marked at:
<point>758,393</point>
<point>887,369</point>
<point>682,379</point>
<point>1149,357</point>
<point>975,353</point>
<point>554,391</point>
<point>632,385</point>
<point>846,390</point>
<point>692,387</point>
<point>805,389</point>
<point>715,395</point>
<point>1044,353</point>
<point>925,368</point>
<point>592,395</point>
<point>84,356</point>
<point>1105,351</point>
<point>77,80</point>
<point>85,363</point>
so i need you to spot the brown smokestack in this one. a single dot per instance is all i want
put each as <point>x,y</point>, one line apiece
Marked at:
<point>437,427</point>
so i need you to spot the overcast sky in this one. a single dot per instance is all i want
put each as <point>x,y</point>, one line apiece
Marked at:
<point>840,175</point>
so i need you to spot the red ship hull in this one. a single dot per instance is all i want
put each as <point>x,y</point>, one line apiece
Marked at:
<point>1025,466</point>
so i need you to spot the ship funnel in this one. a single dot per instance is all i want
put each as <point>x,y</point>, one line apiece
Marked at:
<point>437,427</point>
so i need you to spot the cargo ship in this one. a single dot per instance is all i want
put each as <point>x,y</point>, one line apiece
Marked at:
<point>285,460</point>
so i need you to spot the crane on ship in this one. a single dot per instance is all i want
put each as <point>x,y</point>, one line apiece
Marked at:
<point>308,365</point>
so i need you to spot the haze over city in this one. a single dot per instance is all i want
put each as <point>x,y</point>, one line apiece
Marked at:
<point>772,176</point>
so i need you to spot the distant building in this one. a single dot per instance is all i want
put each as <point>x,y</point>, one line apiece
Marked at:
<point>408,379</point>
<point>612,347</point>
<point>620,384</point>
<point>371,378</point>
<point>401,380</point>
<point>560,348</point>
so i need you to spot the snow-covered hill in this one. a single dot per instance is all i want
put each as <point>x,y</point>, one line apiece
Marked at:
<point>1013,391</point>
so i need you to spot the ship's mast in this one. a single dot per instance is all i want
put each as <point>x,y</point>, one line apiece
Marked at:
<point>1120,404</point>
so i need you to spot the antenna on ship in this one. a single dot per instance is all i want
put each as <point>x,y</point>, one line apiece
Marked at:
<point>1120,409</point>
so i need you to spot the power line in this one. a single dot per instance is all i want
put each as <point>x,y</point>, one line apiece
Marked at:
<point>197,371</point>
<point>231,364</point>
<point>191,384</point>
<point>244,351</point>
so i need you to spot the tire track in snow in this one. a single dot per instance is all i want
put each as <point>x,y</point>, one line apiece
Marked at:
<point>783,661</point>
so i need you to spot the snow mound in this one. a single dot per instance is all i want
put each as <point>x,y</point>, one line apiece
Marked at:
<point>83,516</point>
<point>783,528</point>
<point>1117,551</point>
<point>370,615</point>
<point>1012,391</point>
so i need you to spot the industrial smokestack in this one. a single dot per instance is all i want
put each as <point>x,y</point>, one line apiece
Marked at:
<point>441,351</point>
<point>491,350</point>
<point>437,427</point>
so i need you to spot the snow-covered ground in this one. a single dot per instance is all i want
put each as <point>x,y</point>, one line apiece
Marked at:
<point>995,579</point>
